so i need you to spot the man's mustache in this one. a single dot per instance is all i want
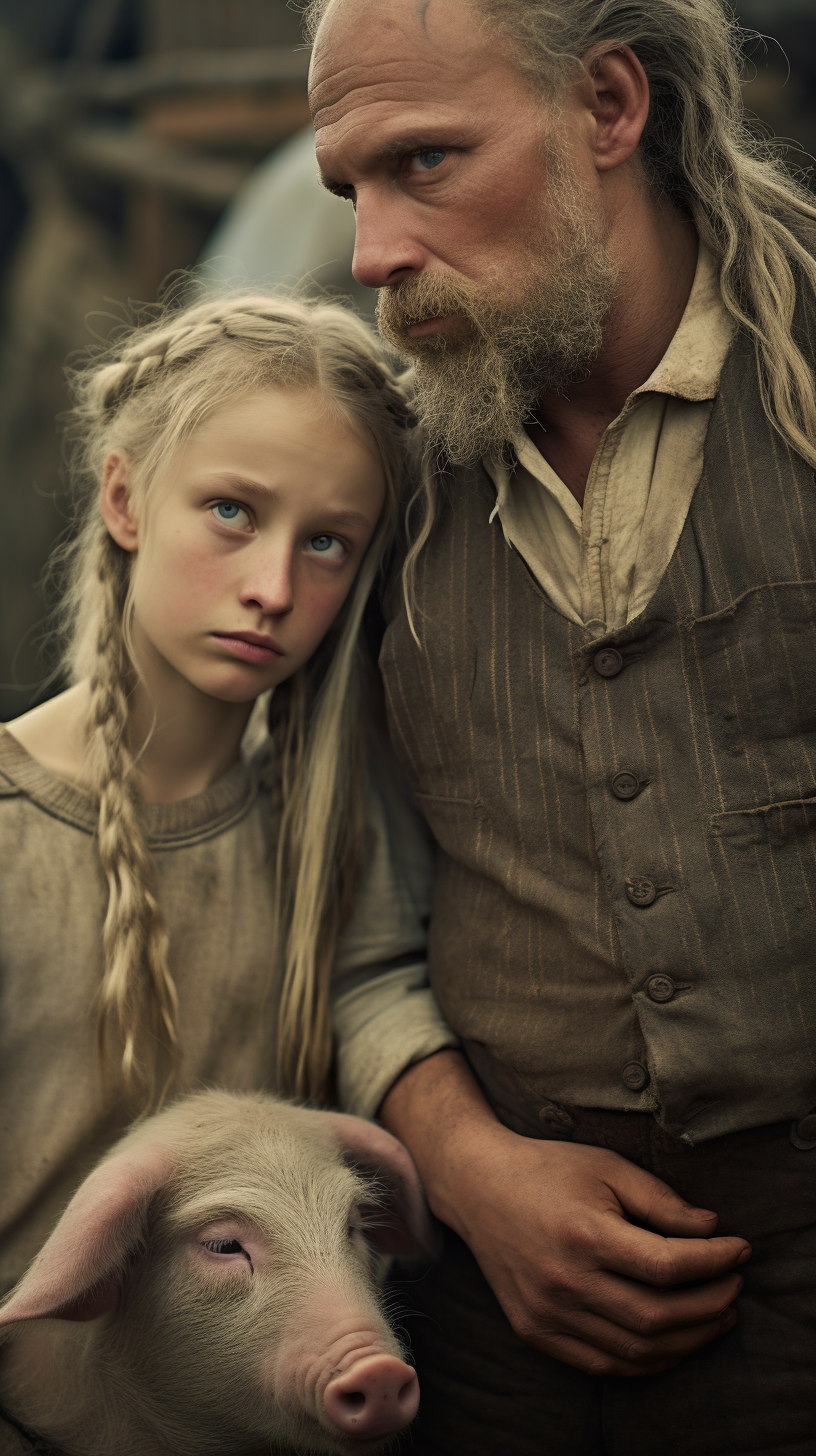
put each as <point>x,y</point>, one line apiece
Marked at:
<point>427,296</point>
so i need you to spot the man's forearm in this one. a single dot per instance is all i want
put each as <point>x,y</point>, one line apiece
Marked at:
<point>437,1108</point>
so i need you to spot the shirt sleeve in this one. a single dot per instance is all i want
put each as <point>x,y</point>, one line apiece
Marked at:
<point>384,1012</point>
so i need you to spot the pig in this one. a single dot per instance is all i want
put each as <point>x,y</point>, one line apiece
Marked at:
<point>212,1287</point>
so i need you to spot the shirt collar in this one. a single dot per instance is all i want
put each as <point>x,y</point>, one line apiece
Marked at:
<point>692,364</point>
<point>690,369</point>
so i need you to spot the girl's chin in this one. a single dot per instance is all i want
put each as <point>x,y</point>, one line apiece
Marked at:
<point>237,688</point>
<point>237,696</point>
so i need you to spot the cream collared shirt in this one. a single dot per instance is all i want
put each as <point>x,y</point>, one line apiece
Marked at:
<point>599,566</point>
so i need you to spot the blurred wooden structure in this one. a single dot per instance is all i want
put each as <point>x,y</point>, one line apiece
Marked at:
<point>126,166</point>
<point>172,134</point>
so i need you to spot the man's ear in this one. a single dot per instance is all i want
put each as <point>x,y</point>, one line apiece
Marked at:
<point>620,104</point>
<point>115,501</point>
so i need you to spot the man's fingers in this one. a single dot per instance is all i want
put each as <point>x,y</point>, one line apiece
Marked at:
<point>652,1202</point>
<point>652,1259</point>
<point>602,1348</point>
<point>650,1312</point>
<point>593,1361</point>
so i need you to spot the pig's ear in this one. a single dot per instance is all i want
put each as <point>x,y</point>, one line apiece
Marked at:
<point>403,1222</point>
<point>78,1273</point>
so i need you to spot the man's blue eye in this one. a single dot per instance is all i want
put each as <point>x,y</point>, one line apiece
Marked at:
<point>431,158</point>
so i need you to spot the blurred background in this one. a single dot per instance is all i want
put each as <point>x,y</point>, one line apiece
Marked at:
<point>138,137</point>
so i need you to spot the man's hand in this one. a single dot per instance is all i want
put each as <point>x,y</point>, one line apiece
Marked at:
<point>550,1224</point>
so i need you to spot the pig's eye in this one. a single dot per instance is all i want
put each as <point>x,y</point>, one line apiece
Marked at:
<point>224,1250</point>
<point>226,1246</point>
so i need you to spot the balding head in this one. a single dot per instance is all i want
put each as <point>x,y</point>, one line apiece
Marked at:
<point>319,10</point>
<point>360,45</point>
<point>393,81</point>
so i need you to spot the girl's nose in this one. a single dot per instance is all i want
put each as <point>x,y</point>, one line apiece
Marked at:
<point>270,587</point>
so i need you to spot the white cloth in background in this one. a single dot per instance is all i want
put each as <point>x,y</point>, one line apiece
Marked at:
<point>283,227</point>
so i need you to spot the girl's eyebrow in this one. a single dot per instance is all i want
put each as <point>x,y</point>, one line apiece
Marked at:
<point>267,492</point>
<point>240,482</point>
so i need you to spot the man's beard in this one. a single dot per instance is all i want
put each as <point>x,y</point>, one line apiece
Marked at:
<point>477,383</point>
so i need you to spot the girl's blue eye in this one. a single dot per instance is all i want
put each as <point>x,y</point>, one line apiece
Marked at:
<point>329,548</point>
<point>430,158</point>
<point>229,513</point>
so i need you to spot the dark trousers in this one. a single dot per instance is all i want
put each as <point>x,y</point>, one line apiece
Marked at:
<point>486,1393</point>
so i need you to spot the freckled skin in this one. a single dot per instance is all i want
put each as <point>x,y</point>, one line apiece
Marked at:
<point>197,576</point>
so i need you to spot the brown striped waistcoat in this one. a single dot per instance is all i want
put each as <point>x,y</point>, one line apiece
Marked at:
<point>578,936</point>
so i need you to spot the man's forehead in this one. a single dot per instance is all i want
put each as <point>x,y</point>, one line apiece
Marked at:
<point>391,75</point>
<point>362,44</point>
<point>401,17</point>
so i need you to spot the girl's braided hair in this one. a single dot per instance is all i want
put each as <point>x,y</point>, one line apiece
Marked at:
<point>144,395</point>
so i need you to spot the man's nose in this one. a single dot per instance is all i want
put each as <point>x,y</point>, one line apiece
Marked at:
<point>385,249</point>
<point>270,585</point>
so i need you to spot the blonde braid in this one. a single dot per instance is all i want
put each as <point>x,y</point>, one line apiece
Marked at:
<point>134,938</point>
<point>146,394</point>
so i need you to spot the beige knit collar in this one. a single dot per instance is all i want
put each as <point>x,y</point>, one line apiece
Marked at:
<point>167,825</point>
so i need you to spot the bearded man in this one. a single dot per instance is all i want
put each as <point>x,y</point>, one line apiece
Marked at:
<point>598,673</point>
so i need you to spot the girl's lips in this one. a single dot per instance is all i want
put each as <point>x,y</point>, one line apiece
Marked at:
<point>250,646</point>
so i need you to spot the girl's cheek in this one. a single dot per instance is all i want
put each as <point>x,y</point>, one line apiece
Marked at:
<point>194,563</point>
<point>321,611</point>
<point>184,579</point>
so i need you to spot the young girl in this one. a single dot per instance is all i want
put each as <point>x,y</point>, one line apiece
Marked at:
<point>168,910</point>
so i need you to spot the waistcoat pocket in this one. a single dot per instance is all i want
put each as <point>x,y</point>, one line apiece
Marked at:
<point>774,825</point>
<point>751,675</point>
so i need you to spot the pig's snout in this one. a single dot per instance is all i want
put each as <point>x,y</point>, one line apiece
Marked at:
<point>377,1396</point>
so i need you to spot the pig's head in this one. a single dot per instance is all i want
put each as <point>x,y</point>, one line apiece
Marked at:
<point>223,1262</point>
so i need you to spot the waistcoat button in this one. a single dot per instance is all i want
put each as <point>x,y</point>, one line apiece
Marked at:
<point>625,785</point>
<point>635,1076</point>
<point>806,1129</point>
<point>608,662</point>
<point>641,891</point>
<point>660,988</point>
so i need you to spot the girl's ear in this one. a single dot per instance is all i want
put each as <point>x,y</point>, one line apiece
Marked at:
<point>115,501</point>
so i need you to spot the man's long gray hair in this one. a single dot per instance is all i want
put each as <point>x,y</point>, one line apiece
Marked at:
<point>697,151</point>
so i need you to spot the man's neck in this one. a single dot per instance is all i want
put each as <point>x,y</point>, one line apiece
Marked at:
<point>653,293</point>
